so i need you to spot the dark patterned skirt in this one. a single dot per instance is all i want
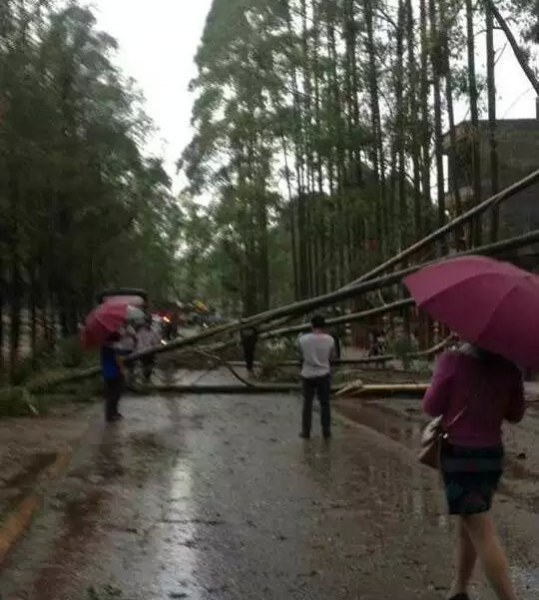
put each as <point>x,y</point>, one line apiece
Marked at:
<point>471,477</point>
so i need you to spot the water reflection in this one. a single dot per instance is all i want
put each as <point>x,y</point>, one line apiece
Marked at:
<point>178,554</point>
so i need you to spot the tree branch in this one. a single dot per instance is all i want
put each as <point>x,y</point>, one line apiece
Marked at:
<point>517,50</point>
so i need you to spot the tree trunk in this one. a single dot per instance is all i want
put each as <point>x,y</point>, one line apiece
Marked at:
<point>474,112</point>
<point>425,115</point>
<point>415,145</point>
<point>436,61</point>
<point>400,131</point>
<point>519,54</point>
<point>492,124</point>
<point>377,153</point>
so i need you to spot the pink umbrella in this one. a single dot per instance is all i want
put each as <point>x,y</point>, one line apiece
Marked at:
<point>106,319</point>
<point>489,303</point>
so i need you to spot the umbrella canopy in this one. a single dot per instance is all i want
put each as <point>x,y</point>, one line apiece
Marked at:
<point>489,303</point>
<point>137,301</point>
<point>107,319</point>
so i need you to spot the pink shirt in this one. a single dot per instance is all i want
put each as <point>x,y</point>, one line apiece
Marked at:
<point>489,390</point>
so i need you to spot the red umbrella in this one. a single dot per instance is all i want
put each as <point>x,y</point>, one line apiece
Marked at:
<point>106,319</point>
<point>489,303</point>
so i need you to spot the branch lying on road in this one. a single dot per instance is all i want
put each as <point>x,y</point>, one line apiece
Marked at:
<point>385,390</point>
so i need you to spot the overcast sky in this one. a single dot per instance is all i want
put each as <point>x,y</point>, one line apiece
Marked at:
<point>158,41</point>
<point>159,38</point>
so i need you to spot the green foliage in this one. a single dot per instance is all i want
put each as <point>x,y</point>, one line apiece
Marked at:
<point>71,353</point>
<point>22,372</point>
<point>17,402</point>
<point>82,207</point>
<point>270,355</point>
<point>402,347</point>
<point>320,135</point>
<point>107,592</point>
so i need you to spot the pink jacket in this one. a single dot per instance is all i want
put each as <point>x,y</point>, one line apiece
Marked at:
<point>474,396</point>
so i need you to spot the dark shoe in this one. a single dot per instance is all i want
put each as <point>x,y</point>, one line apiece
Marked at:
<point>327,436</point>
<point>305,436</point>
<point>115,418</point>
<point>460,597</point>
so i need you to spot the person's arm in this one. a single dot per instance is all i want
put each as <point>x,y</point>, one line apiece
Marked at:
<point>437,396</point>
<point>299,349</point>
<point>333,351</point>
<point>516,404</point>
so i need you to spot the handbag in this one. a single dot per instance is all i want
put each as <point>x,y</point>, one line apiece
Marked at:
<point>432,439</point>
<point>431,444</point>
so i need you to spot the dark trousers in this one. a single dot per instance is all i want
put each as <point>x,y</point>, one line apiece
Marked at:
<point>249,348</point>
<point>148,364</point>
<point>321,387</point>
<point>113,392</point>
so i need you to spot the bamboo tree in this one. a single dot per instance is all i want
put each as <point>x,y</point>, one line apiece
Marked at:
<point>415,143</point>
<point>425,112</point>
<point>474,112</point>
<point>437,70</point>
<point>492,123</point>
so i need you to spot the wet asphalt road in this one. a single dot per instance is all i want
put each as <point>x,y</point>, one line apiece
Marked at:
<point>216,497</point>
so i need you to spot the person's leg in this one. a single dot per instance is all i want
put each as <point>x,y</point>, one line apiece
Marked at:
<point>483,535</point>
<point>249,352</point>
<point>324,396</point>
<point>110,402</point>
<point>466,559</point>
<point>147,368</point>
<point>118,390</point>
<point>308,397</point>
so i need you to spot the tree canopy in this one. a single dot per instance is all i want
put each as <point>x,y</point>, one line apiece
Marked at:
<point>325,136</point>
<point>83,206</point>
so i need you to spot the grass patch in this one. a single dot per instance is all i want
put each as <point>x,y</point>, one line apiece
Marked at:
<point>107,592</point>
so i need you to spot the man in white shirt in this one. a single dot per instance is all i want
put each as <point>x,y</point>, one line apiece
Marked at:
<point>147,338</point>
<point>317,349</point>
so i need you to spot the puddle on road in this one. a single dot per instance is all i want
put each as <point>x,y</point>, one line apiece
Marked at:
<point>376,480</point>
<point>78,524</point>
<point>184,524</point>
<point>386,422</point>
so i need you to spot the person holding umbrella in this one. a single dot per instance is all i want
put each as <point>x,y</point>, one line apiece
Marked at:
<point>474,389</point>
<point>102,330</point>
<point>113,377</point>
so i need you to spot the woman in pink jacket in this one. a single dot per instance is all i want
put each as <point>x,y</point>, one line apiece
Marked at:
<point>475,392</point>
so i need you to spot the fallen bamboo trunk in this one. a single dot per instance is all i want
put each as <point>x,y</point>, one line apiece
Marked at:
<point>497,199</point>
<point>286,388</point>
<point>357,388</point>
<point>350,318</point>
<point>366,359</point>
<point>489,250</point>
<point>301,307</point>
<point>310,304</point>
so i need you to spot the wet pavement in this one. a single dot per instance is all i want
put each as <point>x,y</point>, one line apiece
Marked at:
<point>216,497</point>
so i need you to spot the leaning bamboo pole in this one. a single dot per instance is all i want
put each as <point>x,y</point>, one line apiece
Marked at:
<point>468,216</point>
<point>375,389</point>
<point>366,360</point>
<point>500,247</point>
<point>343,319</point>
<point>297,308</point>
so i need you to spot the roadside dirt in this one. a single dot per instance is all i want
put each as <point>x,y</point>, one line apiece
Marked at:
<point>30,446</point>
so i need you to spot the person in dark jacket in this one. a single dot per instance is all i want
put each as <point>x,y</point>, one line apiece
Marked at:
<point>336,335</point>
<point>249,339</point>
<point>113,377</point>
